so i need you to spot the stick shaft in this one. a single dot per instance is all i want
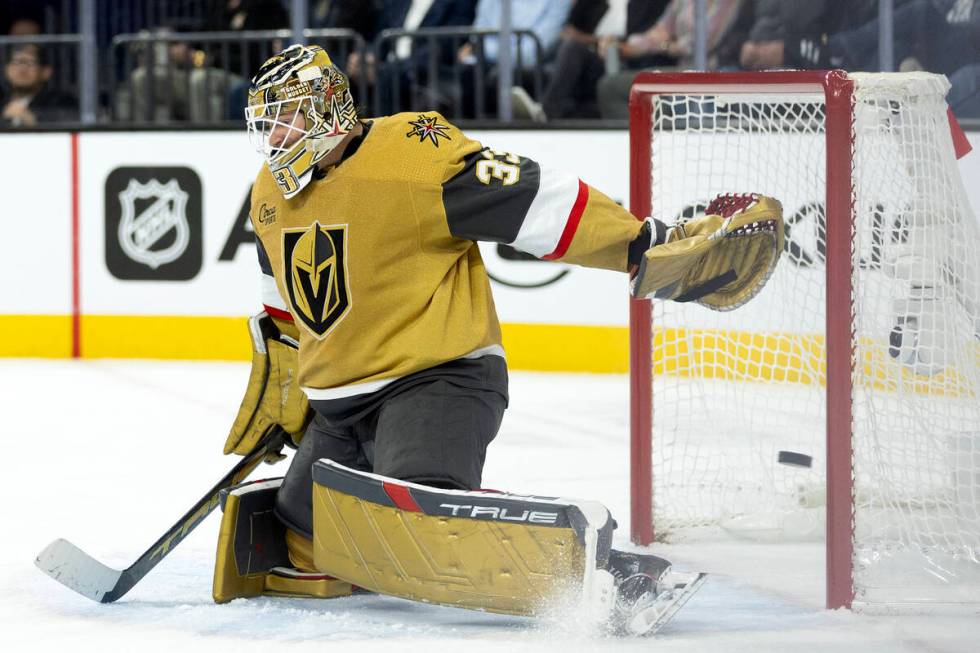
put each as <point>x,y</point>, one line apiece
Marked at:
<point>73,568</point>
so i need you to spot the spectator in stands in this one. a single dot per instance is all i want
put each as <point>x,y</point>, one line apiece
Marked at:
<point>403,79</point>
<point>582,60</point>
<point>774,23</point>
<point>28,99</point>
<point>24,27</point>
<point>173,82</point>
<point>940,36</point>
<point>358,15</point>
<point>673,36</point>
<point>241,16</point>
<point>544,18</point>
<point>964,96</point>
<point>419,14</point>
<point>242,57</point>
<point>158,88</point>
<point>21,17</point>
<point>794,33</point>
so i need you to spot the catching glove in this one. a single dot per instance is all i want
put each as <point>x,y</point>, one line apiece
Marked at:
<point>273,396</point>
<point>720,260</point>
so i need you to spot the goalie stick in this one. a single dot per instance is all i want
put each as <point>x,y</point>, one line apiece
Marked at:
<point>78,571</point>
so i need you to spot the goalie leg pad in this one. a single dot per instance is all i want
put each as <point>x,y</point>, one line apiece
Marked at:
<point>252,557</point>
<point>496,552</point>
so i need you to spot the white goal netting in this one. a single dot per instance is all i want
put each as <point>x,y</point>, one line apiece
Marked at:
<point>732,390</point>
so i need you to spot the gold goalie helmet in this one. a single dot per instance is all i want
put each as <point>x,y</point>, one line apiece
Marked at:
<point>299,109</point>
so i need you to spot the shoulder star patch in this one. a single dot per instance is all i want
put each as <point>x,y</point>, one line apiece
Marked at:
<point>426,127</point>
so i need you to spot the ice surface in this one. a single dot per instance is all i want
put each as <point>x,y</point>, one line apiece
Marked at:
<point>109,453</point>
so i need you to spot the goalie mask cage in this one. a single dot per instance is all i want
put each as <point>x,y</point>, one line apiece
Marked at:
<point>862,351</point>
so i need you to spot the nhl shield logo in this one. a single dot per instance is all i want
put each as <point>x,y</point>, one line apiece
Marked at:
<point>315,259</point>
<point>141,231</point>
<point>153,225</point>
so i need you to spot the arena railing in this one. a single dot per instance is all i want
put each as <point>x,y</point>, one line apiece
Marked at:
<point>432,75</point>
<point>133,16</point>
<point>200,77</point>
<point>110,99</point>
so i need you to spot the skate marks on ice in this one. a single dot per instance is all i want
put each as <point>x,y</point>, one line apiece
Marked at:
<point>177,604</point>
<point>744,607</point>
<point>732,615</point>
<point>177,600</point>
<point>726,605</point>
<point>725,614</point>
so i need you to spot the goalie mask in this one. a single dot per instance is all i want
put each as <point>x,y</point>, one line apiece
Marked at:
<point>299,109</point>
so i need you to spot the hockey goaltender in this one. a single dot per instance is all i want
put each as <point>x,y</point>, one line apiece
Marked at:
<point>379,353</point>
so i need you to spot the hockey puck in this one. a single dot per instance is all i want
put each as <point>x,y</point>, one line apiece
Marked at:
<point>794,459</point>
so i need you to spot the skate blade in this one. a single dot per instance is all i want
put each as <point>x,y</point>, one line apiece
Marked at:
<point>680,588</point>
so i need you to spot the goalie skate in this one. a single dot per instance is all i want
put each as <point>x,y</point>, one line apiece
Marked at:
<point>648,592</point>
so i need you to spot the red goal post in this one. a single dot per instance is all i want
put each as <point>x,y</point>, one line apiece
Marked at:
<point>702,133</point>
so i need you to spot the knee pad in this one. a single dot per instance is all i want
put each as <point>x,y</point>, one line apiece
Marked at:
<point>252,557</point>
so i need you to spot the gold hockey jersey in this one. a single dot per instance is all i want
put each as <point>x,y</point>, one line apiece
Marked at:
<point>377,262</point>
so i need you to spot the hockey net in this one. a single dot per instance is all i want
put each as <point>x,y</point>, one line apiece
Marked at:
<point>867,337</point>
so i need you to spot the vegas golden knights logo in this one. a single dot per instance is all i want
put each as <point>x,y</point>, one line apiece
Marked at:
<point>316,275</point>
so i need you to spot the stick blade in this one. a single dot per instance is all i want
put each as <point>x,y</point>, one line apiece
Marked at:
<point>78,571</point>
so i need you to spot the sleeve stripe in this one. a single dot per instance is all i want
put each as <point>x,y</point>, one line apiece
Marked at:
<point>572,225</point>
<point>278,313</point>
<point>272,301</point>
<point>271,298</point>
<point>548,218</point>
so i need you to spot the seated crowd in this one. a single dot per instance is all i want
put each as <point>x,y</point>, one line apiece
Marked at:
<point>571,59</point>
